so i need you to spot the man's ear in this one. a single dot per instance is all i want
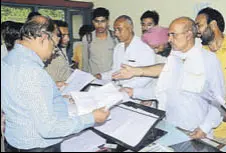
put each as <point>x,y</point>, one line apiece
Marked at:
<point>213,25</point>
<point>44,37</point>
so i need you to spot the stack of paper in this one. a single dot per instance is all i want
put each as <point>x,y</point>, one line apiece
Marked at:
<point>106,96</point>
<point>86,141</point>
<point>77,80</point>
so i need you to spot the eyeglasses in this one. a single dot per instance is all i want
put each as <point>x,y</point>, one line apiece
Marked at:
<point>50,35</point>
<point>100,21</point>
<point>174,34</point>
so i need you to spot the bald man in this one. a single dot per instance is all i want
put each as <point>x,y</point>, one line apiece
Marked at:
<point>132,51</point>
<point>190,81</point>
<point>36,114</point>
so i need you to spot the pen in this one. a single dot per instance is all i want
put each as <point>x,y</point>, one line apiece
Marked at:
<point>131,60</point>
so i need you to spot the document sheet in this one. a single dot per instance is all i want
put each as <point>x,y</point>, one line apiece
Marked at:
<point>77,80</point>
<point>86,141</point>
<point>128,125</point>
<point>106,96</point>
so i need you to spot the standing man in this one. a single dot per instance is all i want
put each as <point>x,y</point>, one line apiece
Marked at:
<point>36,114</point>
<point>148,20</point>
<point>58,66</point>
<point>211,25</point>
<point>132,51</point>
<point>99,45</point>
<point>190,82</point>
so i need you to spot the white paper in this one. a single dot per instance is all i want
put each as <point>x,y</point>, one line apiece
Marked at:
<point>223,149</point>
<point>126,123</point>
<point>77,80</point>
<point>87,141</point>
<point>106,96</point>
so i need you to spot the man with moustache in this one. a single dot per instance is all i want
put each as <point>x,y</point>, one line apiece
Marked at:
<point>36,114</point>
<point>132,51</point>
<point>190,83</point>
<point>97,54</point>
<point>211,25</point>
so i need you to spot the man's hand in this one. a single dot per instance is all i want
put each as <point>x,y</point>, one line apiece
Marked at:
<point>100,115</point>
<point>146,103</point>
<point>60,84</point>
<point>126,72</point>
<point>198,134</point>
<point>98,76</point>
<point>129,91</point>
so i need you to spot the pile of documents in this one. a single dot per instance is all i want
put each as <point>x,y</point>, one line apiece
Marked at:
<point>105,96</point>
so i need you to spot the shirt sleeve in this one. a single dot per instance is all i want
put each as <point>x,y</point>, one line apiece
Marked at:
<point>146,93</point>
<point>85,60</point>
<point>215,93</point>
<point>213,119</point>
<point>38,94</point>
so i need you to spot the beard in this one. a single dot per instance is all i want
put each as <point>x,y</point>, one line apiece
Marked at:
<point>166,51</point>
<point>207,36</point>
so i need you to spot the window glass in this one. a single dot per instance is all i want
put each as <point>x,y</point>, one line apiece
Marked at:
<point>77,22</point>
<point>52,13</point>
<point>17,14</point>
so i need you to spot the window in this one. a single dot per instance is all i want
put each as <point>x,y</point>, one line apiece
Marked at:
<point>77,22</point>
<point>52,13</point>
<point>17,14</point>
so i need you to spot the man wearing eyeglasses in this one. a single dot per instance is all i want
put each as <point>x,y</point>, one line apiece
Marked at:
<point>191,82</point>
<point>58,66</point>
<point>98,47</point>
<point>36,114</point>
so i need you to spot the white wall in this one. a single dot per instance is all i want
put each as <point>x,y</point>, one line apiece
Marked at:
<point>167,9</point>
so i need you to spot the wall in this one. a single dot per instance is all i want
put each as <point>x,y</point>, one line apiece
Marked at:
<point>167,9</point>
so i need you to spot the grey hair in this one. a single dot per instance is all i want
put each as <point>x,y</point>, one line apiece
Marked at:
<point>126,18</point>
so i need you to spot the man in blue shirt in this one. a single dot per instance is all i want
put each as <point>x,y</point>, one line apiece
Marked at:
<point>36,114</point>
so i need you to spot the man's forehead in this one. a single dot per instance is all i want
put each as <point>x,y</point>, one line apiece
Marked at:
<point>201,18</point>
<point>63,29</point>
<point>147,20</point>
<point>100,18</point>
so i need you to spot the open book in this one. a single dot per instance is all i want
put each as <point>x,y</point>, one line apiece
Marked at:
<point>106,96</point>
<point>77,80</point>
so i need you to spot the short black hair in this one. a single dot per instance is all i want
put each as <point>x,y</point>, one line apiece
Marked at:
<point>213,14</point>
<point>12,33</point>
<point>35,27</point>
<point>101,12</point>
<point>61,23</point>
<point>32,14</point>
<point>151,14</point>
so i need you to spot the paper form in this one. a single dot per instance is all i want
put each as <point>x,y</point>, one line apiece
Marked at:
<point>77,80</point>
<point>105,96</point>
<point>127,126</point>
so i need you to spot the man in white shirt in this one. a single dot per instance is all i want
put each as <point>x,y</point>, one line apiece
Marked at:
<point>190,83</point>
<point>131,51</point>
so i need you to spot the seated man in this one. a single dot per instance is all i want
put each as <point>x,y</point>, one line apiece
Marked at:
<point>189,84</point>
<point>130,51</point>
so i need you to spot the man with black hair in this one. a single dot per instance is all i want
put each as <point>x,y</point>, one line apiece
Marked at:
<point>148,20</point>
<point>36,114</point>
<point>58,66</point>
<point>211,25</point>
<point>98,46</point>
<point>32,14</point>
